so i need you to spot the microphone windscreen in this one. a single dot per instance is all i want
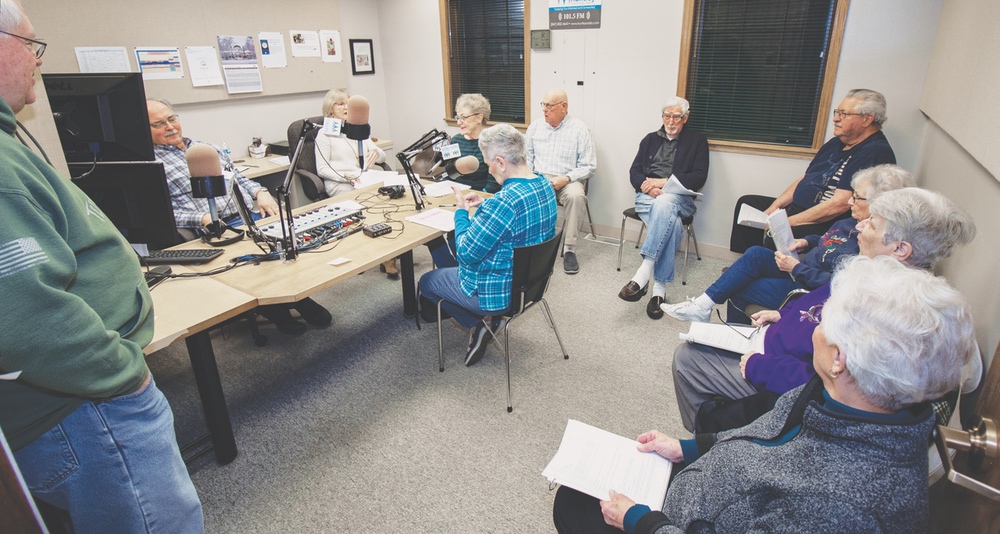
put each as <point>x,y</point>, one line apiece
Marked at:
<point>358,110</point>
<point>467,164</point>
<point>203,160</point>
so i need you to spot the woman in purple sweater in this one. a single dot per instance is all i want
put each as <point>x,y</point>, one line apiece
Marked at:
<point>912,225</point>
<point>763,276</point>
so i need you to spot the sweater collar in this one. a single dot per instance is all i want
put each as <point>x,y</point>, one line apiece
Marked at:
<point>7,121</point>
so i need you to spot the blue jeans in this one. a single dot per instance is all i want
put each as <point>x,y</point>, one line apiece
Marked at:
<point>441,249</point>
<point>753,279</point>
<point>115,466</point>
<point>443,284</point>
<point>662,216</point>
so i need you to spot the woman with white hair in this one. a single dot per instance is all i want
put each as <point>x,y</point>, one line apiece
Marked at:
<point>472,112</point>
<point>761,275</point>
<point>912,226</point>
<point>522,213</point>
<point>846,452</point>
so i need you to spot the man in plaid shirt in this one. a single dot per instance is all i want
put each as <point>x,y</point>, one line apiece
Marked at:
<point>522,213</point>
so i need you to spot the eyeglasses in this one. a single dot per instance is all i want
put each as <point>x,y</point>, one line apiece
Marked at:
<point>734,329</point>
<point>36,46</point>
<point>463,118</point>
<point>677,117</point>
<point>813,314</point>
<point>843,114</point>
<point>856,197</point>
<point>161,124</point>
<point>550,105</point>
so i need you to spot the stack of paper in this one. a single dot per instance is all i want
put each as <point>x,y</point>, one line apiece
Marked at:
<point>727,337</point>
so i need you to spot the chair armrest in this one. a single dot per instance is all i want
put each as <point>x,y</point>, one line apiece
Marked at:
<point>312,185</point>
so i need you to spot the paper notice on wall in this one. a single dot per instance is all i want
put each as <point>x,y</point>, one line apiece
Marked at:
<point>331,48</point>
<point>159,62</point>
<point>102,59</point>
<point>243,79</point>
<point>203,64</point>
<point>305,43</point>
<point>272,50</point>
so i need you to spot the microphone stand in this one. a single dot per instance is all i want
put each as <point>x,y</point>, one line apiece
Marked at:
<point>406,156</point>
<point>288,239</point>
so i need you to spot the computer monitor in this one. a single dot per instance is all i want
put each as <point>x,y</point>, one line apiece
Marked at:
<point>100,112</point>
<point>134,196</point>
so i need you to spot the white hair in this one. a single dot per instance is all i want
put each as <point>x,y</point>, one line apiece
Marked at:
<point>331,98</point>
<point>475,103</point>
<point>11,15</point>
<point>881,178</point>
<point>676,102</point>
<point>904,333</point>
<point>927,220</point>
<point>505,141</point>
<point>871,103</point>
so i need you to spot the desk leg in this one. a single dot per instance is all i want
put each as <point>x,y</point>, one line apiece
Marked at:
<point>213,399</point>
<point>409,284</point>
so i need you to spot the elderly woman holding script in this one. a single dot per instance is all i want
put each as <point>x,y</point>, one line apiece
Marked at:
<point>846,452</point>
<point>763,276</point>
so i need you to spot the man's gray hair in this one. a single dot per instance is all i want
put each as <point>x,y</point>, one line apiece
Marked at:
<point>927,220</point>
<point>475,103</point>
<point>505,141</point>
<point>871,103</point>
<point>162,101</point>
<point>905,333</point>
<point>331,98</point>
<point>11,14</point>
<point>881,178</point>
<point>676,102</point>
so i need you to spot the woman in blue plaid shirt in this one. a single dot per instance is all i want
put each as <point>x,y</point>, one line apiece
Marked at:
<point>522,213</point>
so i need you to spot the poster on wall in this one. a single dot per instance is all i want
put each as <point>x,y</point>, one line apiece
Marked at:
<point>574,14</point>
<point>159,62</point>
<point>304,43</point>
<point>272,50</point>
<point>331,51</point>
<point>102,59</point>
<point>239,64</point>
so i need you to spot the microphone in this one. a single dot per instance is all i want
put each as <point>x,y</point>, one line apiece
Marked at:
<point>461,166</point>
<point>207,180</point>
<point>356,126</point>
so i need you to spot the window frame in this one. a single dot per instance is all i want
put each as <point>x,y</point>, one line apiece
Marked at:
<point>449,99</point>
<point>826,94</point>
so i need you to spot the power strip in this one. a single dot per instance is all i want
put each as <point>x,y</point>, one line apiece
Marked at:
<point>377,229</point>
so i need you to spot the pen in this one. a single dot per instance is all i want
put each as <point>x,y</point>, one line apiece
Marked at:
<point>447,205</point>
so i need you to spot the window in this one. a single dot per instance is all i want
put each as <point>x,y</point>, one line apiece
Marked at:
<point>759,73</point>
<point>484,43</point>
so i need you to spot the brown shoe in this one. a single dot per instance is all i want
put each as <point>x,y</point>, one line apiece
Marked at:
<point>653,308</point>
<point>389,268</point>
<point>632,292</point>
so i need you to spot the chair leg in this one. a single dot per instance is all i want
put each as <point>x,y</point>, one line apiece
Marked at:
<point>642,230</point>
<point>591,220</point>
<point>695,237</point>
<point>552,323</point>
<point>506,353</point>
<point>621,242</point>
<point>562,232</point>
<point>440,342</point>
<point>687,245</point>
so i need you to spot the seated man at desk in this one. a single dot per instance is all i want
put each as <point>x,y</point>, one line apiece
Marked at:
<point>170,147</point>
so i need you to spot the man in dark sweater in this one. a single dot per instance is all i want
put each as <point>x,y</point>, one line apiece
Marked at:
<point>673,151</point>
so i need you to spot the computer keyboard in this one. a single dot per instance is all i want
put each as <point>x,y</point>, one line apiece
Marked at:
<point>179,256</point>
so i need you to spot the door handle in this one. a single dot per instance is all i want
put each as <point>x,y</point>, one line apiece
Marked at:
<point>980,443</point>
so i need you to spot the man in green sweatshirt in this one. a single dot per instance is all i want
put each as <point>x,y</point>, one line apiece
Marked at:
<point>90,431</point>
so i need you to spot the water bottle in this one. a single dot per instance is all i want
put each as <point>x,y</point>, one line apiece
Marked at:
<point>225,150</point>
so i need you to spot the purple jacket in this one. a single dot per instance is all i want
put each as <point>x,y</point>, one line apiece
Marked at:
<point>787,360</point>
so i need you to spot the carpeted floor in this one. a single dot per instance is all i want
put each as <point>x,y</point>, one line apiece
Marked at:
<point>353,429</point>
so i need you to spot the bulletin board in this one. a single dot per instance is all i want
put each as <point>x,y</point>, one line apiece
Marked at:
<point>181,23</point>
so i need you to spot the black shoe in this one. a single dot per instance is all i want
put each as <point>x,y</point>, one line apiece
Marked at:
<point>570,265</point>
<point>313,312</point>
<point>653,308</point>
<point>280,315</point>
<point>428,310</point>
<point>478,340</point>
<point>632,292</point>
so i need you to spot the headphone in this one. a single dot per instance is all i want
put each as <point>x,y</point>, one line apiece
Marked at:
<point>392,191</point>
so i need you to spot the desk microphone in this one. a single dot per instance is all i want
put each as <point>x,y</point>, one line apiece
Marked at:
<point>208,182</point>
<point>356,126</point>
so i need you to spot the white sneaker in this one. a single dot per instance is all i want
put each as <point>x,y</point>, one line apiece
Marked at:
<point>687,311</point>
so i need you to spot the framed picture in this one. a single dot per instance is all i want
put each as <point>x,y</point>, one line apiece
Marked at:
<point>362,56</point>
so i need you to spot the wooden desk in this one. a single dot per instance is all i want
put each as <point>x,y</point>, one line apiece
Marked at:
<point>185,308</point>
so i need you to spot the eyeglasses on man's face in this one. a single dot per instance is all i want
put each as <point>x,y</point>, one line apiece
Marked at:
<point>37,47</point>
<point>162,124</point>
<point>676,117</point>
<point>550,105</point>
<point>839,113</point>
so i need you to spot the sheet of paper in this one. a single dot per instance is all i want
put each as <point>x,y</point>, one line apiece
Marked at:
<point>372,177</point>
<point>159,62</point>
<point>595,461</point>
<point>443,188</point>
<point>281,160</point>
<point>332,51</point>
<point>753,217</point>
<point>436,218</point>
<point>339,261</point>
<point>781,232</point>
<point>203,63</point>
<point>102,59</point>
<point>675,187</point>
<point>726,337</point>
<point>10,376</point>
<point>272,50</point>
<point>305,43</point>
<point>347,205</point>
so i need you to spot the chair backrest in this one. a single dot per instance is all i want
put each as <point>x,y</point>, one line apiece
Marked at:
<point>305,167</point>
<point>533,267</point>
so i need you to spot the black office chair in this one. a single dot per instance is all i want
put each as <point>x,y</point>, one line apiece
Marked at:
<point>305,167</point>
<point>686,222</point>
<point>532,270</point>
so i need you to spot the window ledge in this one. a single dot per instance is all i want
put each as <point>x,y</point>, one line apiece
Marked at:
<point>758,149</point>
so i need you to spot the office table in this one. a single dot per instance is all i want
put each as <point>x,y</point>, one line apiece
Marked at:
<point>188,308</point>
